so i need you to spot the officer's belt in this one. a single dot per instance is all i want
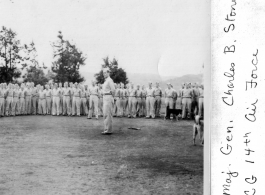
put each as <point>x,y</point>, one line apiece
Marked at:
<point>107,93</point>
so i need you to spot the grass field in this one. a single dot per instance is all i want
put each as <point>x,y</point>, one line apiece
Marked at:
<point>68,155</point>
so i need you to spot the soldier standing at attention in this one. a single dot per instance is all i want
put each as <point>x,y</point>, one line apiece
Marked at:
<point>168,100</point>
<point>55,100</point>
<point>122,100</point>
<point>76,100</point>
<point>93,100</point>
<point>132,102</point>
<point>139,101</point>
<point>117,100</point>
<point>42,102</point>
<point>9,100</point>
<point>61,99</point>
<point>22,101</point>
<point>28,99</point>
<point>2,100</point>
<point>150,100</point>
<point>100,100</point>
<point>15,104</point>
<point>87,97</point>
<point>178,106</point>
<point>186,101</point>
<point>34,99</point>
<point>157,104</point>
<point>66,93</point>
<point>48,95</point>
<point>126,89</point>
<point>143,108</point>
<point>108,101</point>
<point>201,101</point>
<point>84,110</point>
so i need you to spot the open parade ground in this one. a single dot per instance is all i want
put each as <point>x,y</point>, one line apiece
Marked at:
<point>68,155</point>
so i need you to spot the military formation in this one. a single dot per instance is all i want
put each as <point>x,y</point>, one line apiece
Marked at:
<point>75,99</point>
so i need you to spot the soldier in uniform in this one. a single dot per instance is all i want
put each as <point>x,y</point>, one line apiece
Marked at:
<point>93,100</point>
<point>195,100</point>
<point>66,93</point>
<point>143,108</point>
<point>150,100</point>
<point>22,101</point>
<point>84,110</point>
<point>48,95</point>
<point>178,106</point>
<point>108,101</point>
<point>122,100</point>
<point>100,100</point>
<point>169,94</point>
<point>76,100</point>
<point>87,97</point>
<point>126,100</point>
<point>34,99</point>
<point>139,101</point>
<point>201,101</point>
<point>28,99</point>
<point>55,100</point>
<point>2,100</point>
<point>15,105</point>
<point>42,101</point>
<point>117,101</point>
<point>9,100</point>
<point>132,102</point>
<point>61,99</point>
<point>186,101</point>
<point>157,104</point>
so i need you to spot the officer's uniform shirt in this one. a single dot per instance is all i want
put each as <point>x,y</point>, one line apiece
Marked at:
<point>56,92</point>
<point>143,93</point>
<point>2,93</point>
<point>66,91</point>
<point>138,93</point>
<point>150,92</point>
<point>34,92</point>
<point>16,93</point>
<point>187,93</point>
<point>122,93</point>
<point>42,94</point>
<point>117,93</point>
<point>48,93</point>
<point>94,90</point>
<point>83,94</point>
<point>132,92</point>
<point>158,92</point>
<point>10,93</point>
<point>169,93</point>
<point>77,92</point>
<point>28,92</point>
<point>108,86</point>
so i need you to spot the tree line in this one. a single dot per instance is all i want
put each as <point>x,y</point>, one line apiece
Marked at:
<point>19,62</point>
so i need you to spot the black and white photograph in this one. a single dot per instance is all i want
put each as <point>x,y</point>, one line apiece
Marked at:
<point>103,96</point>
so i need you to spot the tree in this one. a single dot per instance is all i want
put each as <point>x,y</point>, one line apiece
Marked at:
<point>68,60</point>
<point>10,55</point>
<point>34,73</point>
<point>117,74</point>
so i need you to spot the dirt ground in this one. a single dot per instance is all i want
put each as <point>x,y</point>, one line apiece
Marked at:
<point>68,155</point>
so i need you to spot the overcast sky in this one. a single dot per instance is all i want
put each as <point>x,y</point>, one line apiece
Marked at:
<point>165,37</point>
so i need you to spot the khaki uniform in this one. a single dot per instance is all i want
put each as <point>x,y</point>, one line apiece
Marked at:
<point>108,103</point>
<point>48,95</point>
<point>56,102</point>
<point>93,101</point>
<point>157,104</point>
<point>28,101</point>
<point>22,101</point>
<point>9,101</point>
<point>139,102</point>
<point>100,102</point>
<point>178,105</point>
<point>2,102</point>
<point>201,101</point>
<point>126,101</point>
<point>117,103</point>
<point>84,110</point>
<point>132,102</point>
<point>42,102</point>
<point>15,106</point>
<point>34,92</point>
<point>186,102</point>
<point>76,101</point>
<point>122,102</point>
<point>61,100</point>
<point>195,101</point>
<point>66,107</point>
<point>150,100</point>
<point>143,108</point>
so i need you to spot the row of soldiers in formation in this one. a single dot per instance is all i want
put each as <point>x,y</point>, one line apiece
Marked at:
<point>75,99</point>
